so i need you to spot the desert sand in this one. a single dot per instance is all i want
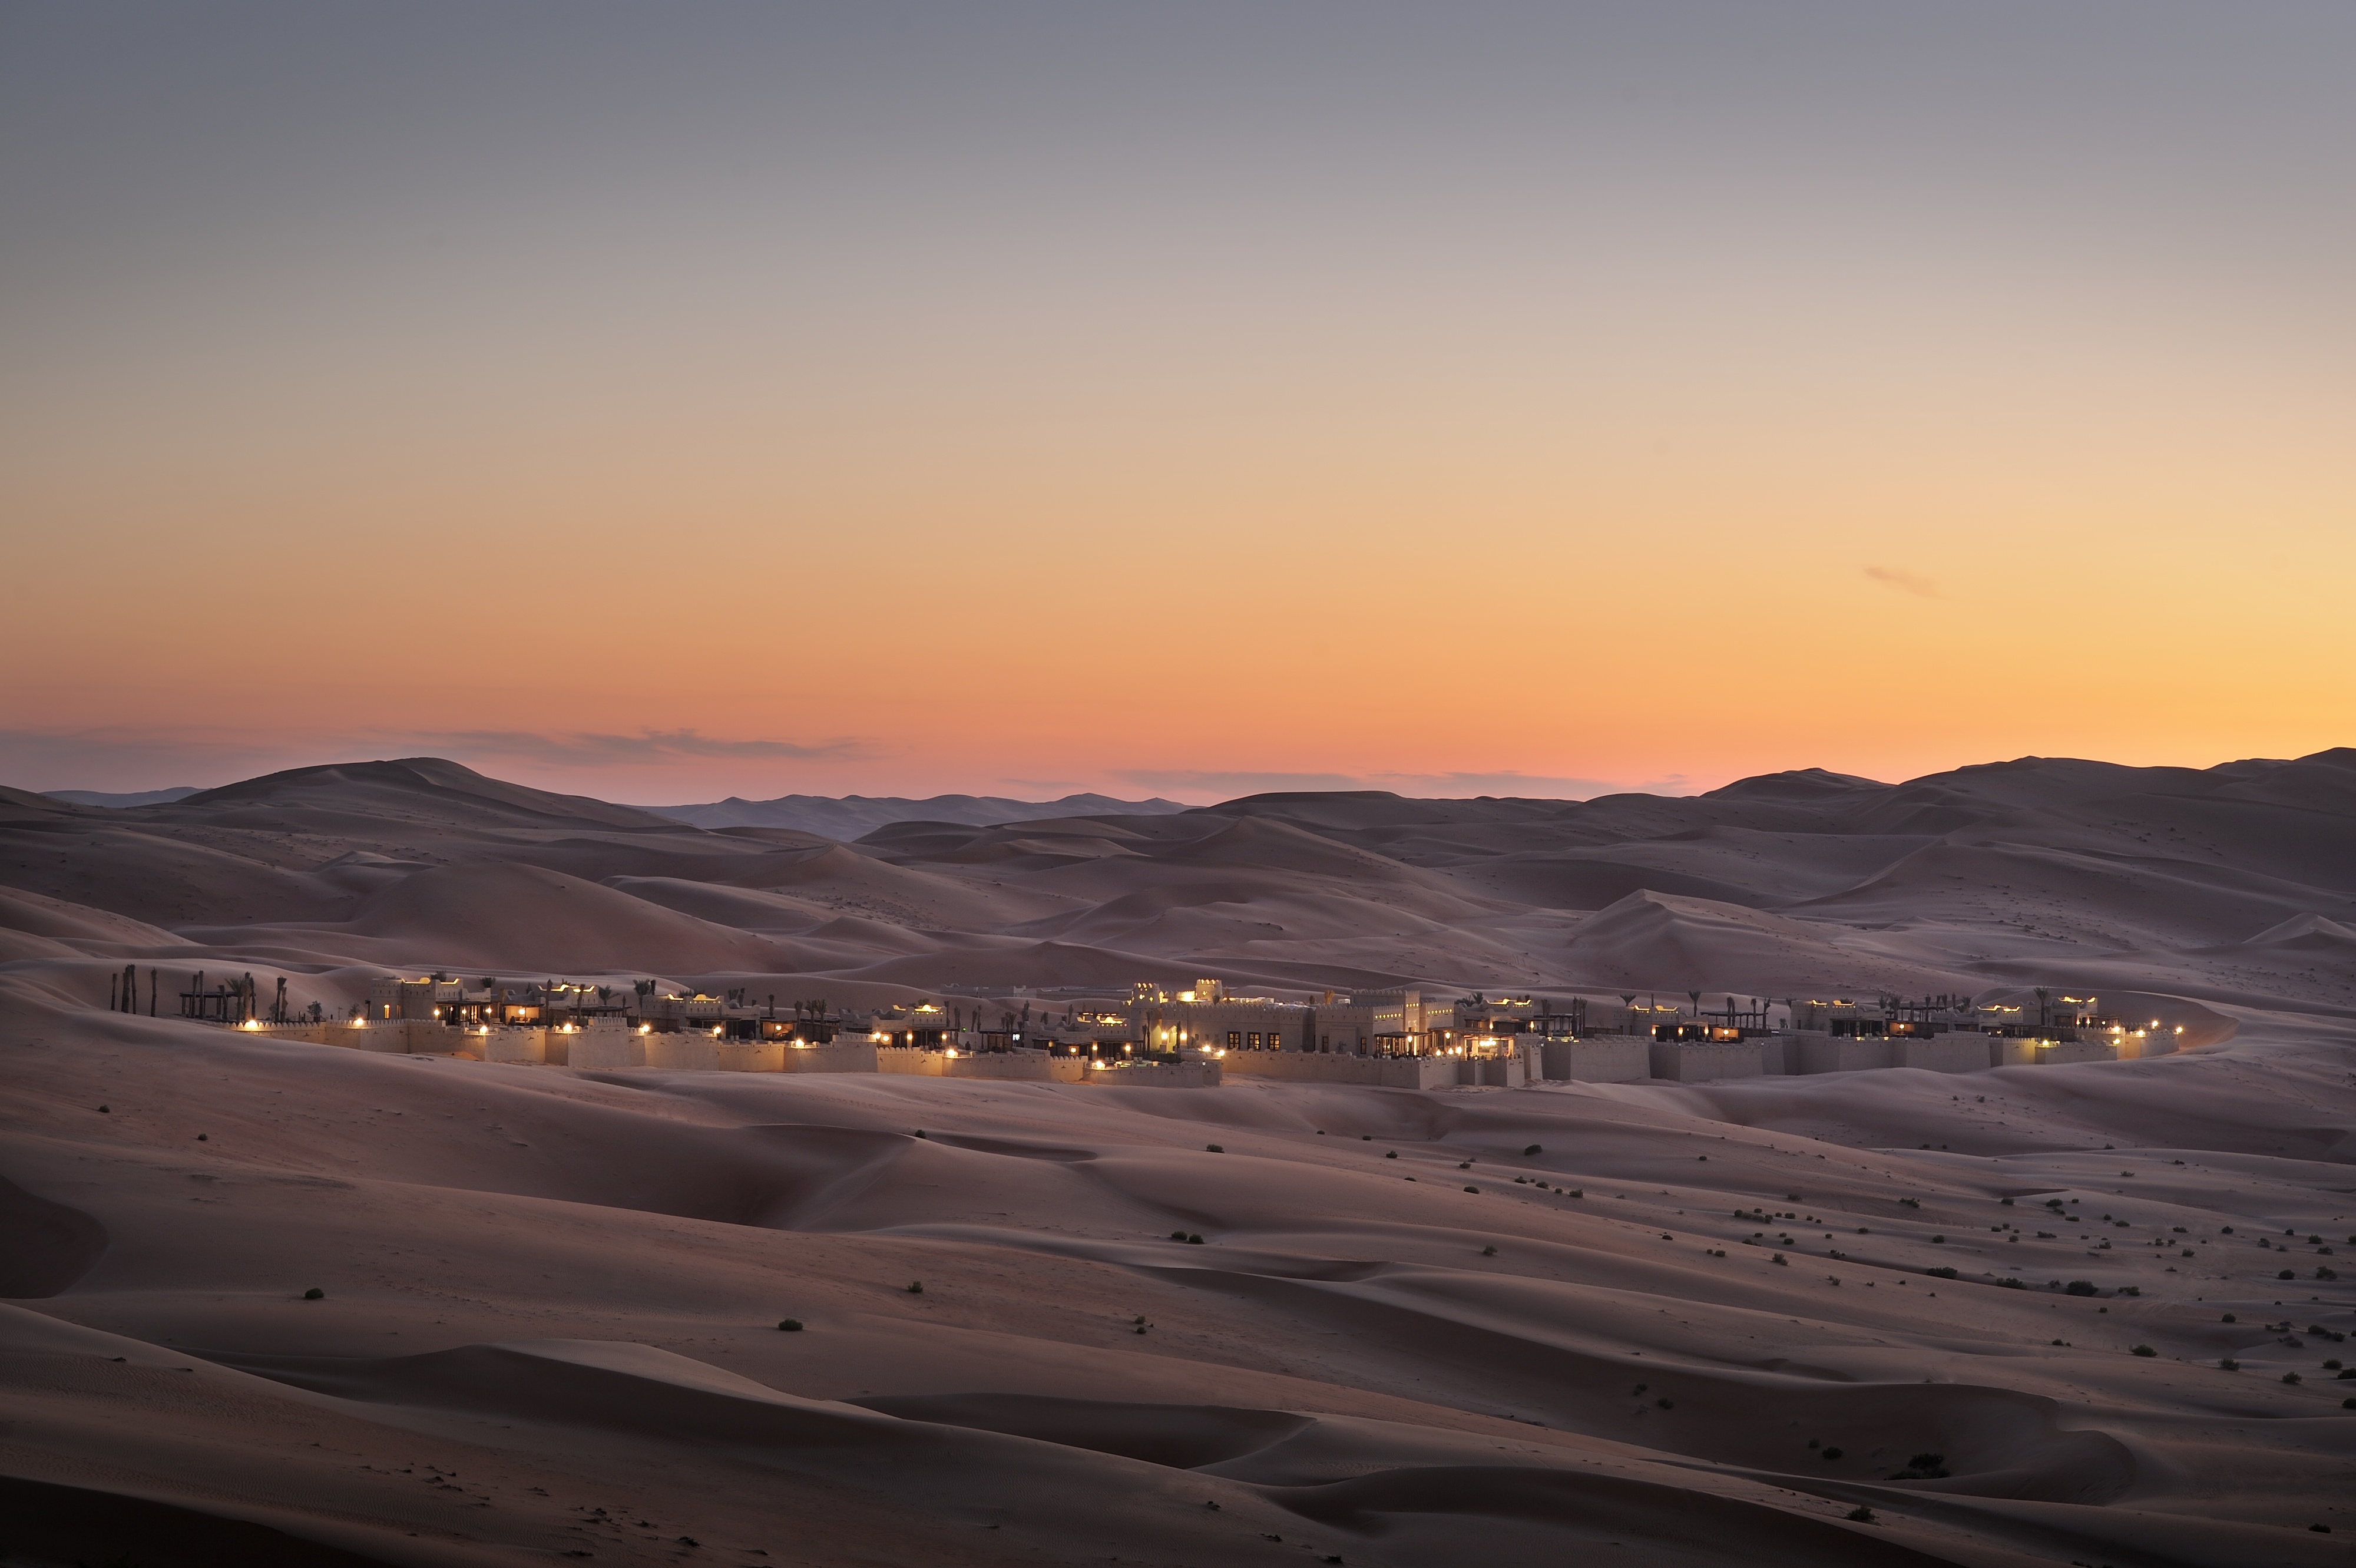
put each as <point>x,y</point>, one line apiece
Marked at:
<point>1634,1324</point>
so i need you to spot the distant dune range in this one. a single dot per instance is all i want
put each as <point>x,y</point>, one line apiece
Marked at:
<point>850,816</point>
<point>2076,873</point>
<point>1790,1321</point>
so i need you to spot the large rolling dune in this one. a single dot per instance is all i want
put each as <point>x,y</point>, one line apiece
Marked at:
<point>1636,1324</point>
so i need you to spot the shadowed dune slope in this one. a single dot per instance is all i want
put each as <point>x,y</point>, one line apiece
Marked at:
<point>280,1302</point>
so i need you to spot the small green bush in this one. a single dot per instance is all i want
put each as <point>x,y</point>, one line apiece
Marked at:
<point>1214,1148</point>
<point>2143,1350</point>
<point>315,1293</point>
<point>790,1324</point>
<point>1533,1149</point>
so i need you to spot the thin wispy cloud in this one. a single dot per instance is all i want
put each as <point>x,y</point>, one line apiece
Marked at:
<point>647,746</point>
<point>1210,785</point>
<point>1904,582</point>
<point>128,758</point>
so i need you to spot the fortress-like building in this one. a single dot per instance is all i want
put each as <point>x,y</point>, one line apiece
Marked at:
<point>1195,1036</point>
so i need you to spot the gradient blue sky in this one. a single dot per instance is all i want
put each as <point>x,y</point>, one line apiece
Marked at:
<point>671,402</point>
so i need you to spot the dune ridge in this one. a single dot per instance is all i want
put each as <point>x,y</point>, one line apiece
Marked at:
<point>1883,1318</point>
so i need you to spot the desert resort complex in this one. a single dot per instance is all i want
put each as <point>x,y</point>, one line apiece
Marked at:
<point>1183,1038</point>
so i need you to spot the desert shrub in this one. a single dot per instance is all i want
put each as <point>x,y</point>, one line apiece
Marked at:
<point>1471,1190</point>
<point>916,1287</point>
<point>2229,1317</point>
<point>315,1293</point>
<point>2131,1290</point>
<point>1938,1239</point>
<point>2229,1364</point>
<point>2288,1275</point>
<point>1214,1148</point>
<point>2008,1283</point>
<point>1533,1149</point>
<point>1492,1252</point>
<point>2143,1350</point>
<point>1862,1515</point>
<point>2325,1274</point>
<point>2080,1287</point>
<point>789,1325</point>
<point>1193,1238</point>
<point>1391,1155</point>
<point>2290,1377</point>
<point>1832,1452</point>
<point>1942,1273</point>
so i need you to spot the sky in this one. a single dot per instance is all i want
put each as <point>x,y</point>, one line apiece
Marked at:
<point>668,402</point>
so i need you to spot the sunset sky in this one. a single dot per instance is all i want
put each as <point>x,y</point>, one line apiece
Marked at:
<point>666,402</point>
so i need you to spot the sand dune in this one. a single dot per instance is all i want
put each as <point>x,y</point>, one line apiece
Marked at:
<point>1648,1322</point>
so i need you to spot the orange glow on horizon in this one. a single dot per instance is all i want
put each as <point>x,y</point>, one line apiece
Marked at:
<point>1423,446</point>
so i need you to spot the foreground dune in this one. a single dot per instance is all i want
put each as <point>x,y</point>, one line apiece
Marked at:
<point>1645,1323</point>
